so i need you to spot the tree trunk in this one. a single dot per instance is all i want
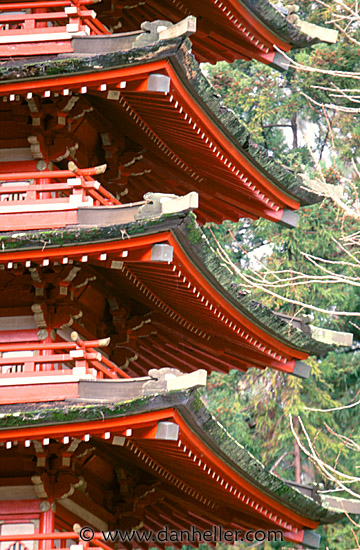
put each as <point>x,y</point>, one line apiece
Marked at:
<point>294,128</point>
<point>297,461</point>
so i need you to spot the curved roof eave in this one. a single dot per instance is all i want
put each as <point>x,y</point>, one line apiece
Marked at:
<point>199,252</point>
<point>204,427</point>
<point>229,124</point>
<point>277,23</point>
<point>281,182</point>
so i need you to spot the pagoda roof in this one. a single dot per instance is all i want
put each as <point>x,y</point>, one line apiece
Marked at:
<point>205,319</point>
<point>227,29</point>
<point>173,436</point>
<point>160,93</point>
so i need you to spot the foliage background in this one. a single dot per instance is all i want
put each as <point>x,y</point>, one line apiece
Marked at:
<point>255,406</point>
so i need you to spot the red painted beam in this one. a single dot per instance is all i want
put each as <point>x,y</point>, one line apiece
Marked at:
<point>44,536</point>
<point>30,346</point>
<point>26,507</point>
<point>37,393</point>
<point>13,337</point>
<point>95,427</point>
<point>42,4</point>
<point>92,79</point>
<point>77,251</point>
<point>52,174</point>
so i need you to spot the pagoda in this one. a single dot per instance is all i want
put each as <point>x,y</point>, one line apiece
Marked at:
<point>115,303</point>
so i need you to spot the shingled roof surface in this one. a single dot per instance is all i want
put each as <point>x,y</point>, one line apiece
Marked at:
<point>231,125</point>
<point>178,51</point>
<point>277,23</point>
<point>199,247</point>
<point>197,416</point>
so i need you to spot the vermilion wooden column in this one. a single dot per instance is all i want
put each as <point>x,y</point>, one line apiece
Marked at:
<point>47,523</point>
<point>40,24</point>
<point>45,194</point>
<point>47,340</point>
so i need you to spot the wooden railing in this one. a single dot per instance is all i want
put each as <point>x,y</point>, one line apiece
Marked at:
<point>57,539</point>
<point>54,186</point>
<point>45,27</point>
<point>57,358</point>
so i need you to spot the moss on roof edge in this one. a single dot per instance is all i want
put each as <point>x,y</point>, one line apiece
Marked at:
<point>35,239</point>
<point>205,248</point>
<point>69,64</point>
<point>261,157</point>
<point>277,23</point>
<point>253,468</point>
